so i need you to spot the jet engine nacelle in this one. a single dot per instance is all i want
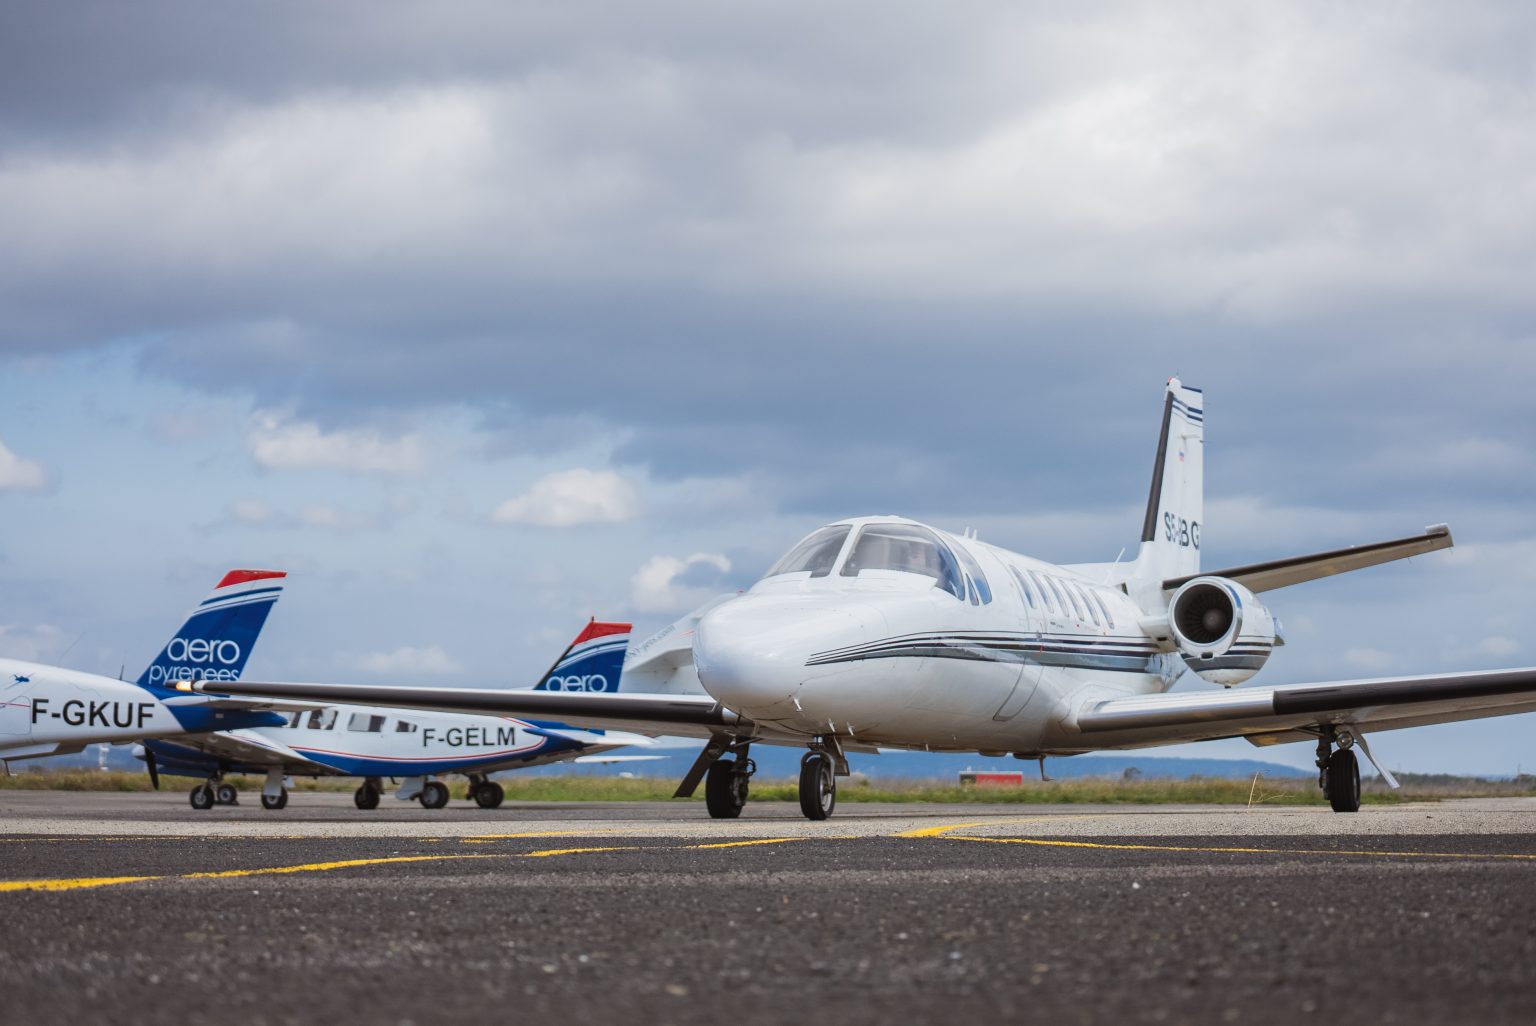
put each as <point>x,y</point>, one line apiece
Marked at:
<point>1222,630</point>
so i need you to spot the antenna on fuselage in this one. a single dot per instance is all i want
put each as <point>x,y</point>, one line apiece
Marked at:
<point>1043,778</point>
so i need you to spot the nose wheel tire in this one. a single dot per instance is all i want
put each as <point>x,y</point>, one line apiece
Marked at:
<point>1341,781</point>
<point>434,795</point>
<point>366,797</point>
<point>488,794</point>
<point>725,788</point>
<point>202,797</point>
<point>273,802</point>
<point>818,786</point>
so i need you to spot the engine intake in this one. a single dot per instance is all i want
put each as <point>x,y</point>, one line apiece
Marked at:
<point>1222,630</point>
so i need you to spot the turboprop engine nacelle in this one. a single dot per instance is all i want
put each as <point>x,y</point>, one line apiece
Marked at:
<point>1222,630</point>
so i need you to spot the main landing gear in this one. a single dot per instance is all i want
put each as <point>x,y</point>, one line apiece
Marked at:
<point>211,792</point>
<point>726,785</point>
<point>1338,772</point>
<point>367,795</point>
<point>487,793</point>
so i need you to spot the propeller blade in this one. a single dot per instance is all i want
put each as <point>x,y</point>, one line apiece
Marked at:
<point>154,771</point>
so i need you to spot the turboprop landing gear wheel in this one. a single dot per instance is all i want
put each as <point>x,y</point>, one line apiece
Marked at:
<point>725,788</point>
<point>434,795</point>
<point>227,794</point>
<point>1343,781</point>
<point>818,786</point>
<point>488,794</point>
<point>201,797</point>
<point>366,797</point>
<point>272,802</point>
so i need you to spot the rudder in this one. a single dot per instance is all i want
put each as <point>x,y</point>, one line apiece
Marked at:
<point>1170,534</point>
<point>217,637</point>
<point>593,662</point>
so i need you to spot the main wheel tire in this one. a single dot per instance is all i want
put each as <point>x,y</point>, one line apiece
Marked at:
<point>227,794</point>
<point>366,797</point>
<point>1343,786</point>
<point>818,786</point>
<point>201,797</point>
<point>489,794</point>
<point>725,789</point>
<point>274,802</point>
<point>434,795</point>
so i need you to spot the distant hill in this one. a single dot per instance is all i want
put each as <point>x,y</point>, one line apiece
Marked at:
<point>779,762</point>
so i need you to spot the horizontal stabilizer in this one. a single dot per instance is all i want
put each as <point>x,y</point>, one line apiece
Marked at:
<point>1282,573</point>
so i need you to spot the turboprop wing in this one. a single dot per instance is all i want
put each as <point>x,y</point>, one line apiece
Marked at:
<point>681,715</point>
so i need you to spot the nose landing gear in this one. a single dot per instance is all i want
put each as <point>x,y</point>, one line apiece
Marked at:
<point>818,786</point>
<point>1338,772</point>
<point>819,770</point>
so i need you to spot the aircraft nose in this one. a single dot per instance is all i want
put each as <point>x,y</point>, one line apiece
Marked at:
<point>751,653</point>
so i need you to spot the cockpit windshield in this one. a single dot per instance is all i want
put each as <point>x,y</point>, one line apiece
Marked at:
<point>908,548</point>
<point>816,553</point>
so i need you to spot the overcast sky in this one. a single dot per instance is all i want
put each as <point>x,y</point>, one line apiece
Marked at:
<point>481,318</point>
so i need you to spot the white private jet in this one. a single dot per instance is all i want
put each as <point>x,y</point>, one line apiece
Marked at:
<point>880,632</point>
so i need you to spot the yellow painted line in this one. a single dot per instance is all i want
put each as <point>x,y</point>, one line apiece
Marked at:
<point>743,844</point>
<point>572,851</point>
<point>312,867</point>
<point>488,838</point>
<point>70,885</point>
<point>320,867</point>
<point>1041,842</point>
<point>940,831</point>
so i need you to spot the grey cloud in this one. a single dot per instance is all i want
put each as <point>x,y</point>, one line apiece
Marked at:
<point>926,262</point>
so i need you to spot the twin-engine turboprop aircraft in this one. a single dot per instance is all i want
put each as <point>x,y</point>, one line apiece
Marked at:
<point>883,632</point>
<point>374,743</point>
<point>50,710</point>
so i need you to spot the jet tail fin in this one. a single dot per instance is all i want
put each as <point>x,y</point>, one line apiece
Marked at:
<point>1170,532</point>
<point>593,662</point>
<point>217,637</point>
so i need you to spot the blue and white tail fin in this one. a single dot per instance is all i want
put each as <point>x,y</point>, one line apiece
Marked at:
<point>1170,534</point>
<point>593,662</point>
<point>219,634</point>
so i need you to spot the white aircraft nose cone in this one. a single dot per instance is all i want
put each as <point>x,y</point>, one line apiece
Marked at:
<point>751,653</point>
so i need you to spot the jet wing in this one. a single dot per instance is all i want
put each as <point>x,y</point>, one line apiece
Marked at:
<point>1282,573</point>
<point>1292,712</point>
<point>680,715</point>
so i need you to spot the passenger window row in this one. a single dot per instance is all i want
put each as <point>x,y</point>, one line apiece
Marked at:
<point>1063,597</point>
<point>363,723</point>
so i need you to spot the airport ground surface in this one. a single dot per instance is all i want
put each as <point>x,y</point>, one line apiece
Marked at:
<point>134,908</point>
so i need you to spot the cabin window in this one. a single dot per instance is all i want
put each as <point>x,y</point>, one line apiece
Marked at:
<point>1077,608</point>
<point>1109,621</point>
<point>909,549</point>
<point>365,723</point>
<point>983,590</point>
<point>1046,592</point>
<point>1024,588</point>
<point>296,720</point>
<point>322,719</point>
<point>405,727</point>
<point>815,554</point>
<point>1093,613</point>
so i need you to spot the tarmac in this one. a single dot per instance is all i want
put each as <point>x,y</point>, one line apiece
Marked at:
<point>134,908</point>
